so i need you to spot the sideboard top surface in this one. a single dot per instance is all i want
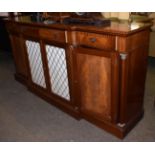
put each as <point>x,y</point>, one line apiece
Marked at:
<point>116,27</point>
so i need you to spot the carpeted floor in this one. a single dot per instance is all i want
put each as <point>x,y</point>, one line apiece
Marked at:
<point>26,117</point>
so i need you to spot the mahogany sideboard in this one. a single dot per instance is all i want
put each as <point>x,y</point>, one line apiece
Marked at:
<point>90,72</point>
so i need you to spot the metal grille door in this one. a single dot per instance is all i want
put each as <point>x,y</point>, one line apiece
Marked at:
<point>58,71</point>
<point>35,62</point>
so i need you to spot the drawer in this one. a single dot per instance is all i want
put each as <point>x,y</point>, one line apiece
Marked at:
<point>54,35</point>
<point>30,31</point>
<point>96,40</point>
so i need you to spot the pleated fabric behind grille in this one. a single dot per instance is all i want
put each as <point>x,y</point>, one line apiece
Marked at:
<point>35,61</point>
<point>58,71</point>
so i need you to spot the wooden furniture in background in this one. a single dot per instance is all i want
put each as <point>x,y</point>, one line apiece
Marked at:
<point>57,16</point>
<point>4,38</point>
<point>96,73</point>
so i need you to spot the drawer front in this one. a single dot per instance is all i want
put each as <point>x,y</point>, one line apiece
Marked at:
<point>30,31</point>
<point>54,35</point>
<point>99,41</point>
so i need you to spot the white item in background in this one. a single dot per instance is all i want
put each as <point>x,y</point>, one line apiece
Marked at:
<point>124,15</point>
<point>114,14</point>
<point>106,14</point>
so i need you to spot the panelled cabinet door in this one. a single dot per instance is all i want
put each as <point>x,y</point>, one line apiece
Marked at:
<point>58,72</point>
<point>33,49</point>
<point>96,80</point>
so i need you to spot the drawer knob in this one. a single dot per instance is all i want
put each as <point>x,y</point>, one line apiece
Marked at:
<point>92,40</point>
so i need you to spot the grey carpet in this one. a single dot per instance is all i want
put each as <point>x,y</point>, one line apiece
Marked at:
<point>26,117</point>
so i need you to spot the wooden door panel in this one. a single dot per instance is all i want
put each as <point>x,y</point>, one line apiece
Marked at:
<point>96,82</point>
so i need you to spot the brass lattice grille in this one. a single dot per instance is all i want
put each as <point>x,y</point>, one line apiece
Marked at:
<point>35,62</point>
<point>58,71</point>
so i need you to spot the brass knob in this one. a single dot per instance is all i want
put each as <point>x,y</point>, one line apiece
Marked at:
<point>92,40</point>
